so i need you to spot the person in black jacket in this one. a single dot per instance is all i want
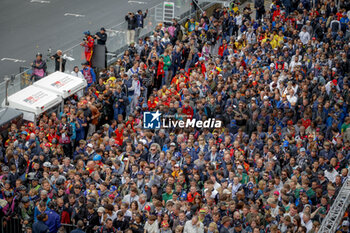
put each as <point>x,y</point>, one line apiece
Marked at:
<point>92,218</point>
<point>260,8</point>
<point>19,162</point>
<point>101,36</point>
<point>60,62</point>
<point>132,24</point>
<point>121,223</point>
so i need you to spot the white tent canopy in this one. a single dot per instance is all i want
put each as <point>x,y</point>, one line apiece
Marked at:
<point>62,84</point>
<point>33,101</point>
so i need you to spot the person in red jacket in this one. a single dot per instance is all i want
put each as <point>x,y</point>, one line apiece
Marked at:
<point>201,64</point>
<point>222,48</point>
<point>152,102</point>
<point>192,194</point>
<point>160,73</point>
<point>187,109</point>
<point>88,44</point>
<point>119,135</point>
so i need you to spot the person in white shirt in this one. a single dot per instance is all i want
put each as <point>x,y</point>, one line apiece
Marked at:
<point>109,213</point>
<point>194,226</point>
<point>77,73</point>
<point>295,62</point>
<point>307,222</point>
<point>136,87</point>
<point>131,197</point>
<point>331,173</point>
<point>235,186</point>
<point>291,97</point>
<point>251,37</point>
<point>304,36</point>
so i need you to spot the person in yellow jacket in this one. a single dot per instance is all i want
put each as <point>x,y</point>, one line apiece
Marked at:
<point>177,170</point>
<point>191,26</point>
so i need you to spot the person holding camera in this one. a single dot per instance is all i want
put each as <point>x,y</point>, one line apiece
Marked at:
<point>132,24</point>
<point>140,21</point>
<point>88,43</point>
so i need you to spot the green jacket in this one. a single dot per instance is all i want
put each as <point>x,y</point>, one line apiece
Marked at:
<point>28,214</point>
<point>167,62</point>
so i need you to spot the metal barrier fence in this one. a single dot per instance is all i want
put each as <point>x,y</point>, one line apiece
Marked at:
<point>116,44</point>
<point>12,225</point>
<point>70,227</point>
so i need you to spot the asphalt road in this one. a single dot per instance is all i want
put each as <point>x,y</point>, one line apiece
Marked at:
<point>32,26</point>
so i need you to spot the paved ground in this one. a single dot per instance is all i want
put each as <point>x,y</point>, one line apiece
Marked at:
<point>31,26</point>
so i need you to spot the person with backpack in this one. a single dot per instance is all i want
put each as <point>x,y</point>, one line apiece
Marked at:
<point>107,227</point>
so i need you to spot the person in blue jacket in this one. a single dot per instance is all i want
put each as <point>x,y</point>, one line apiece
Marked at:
<point>53,221</point>
<point>80,226</point>
<point>40,226</point>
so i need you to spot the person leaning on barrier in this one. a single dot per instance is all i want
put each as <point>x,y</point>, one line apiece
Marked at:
<point>39,67</point>
<point>60,62</point>
<point>101,36</point>
<point>27,211</point>
<point>40,226</point>
<point>80,226</point>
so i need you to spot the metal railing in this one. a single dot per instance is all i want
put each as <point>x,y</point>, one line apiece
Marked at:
<point>12,225</point>
<point>331,222</point>
<point>116,44</point>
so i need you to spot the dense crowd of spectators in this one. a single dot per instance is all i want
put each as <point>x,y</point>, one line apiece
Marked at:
<point>276,76</point>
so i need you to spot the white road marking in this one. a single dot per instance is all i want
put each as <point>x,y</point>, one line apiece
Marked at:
<point>12,59</point>
<point>39,1</point>
<point>75,15</point>
<point>137,2</point>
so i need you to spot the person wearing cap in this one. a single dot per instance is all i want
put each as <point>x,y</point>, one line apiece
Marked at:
<point>101,36</point>
<point>165,227</point>
<point>226,223</point>
<point>88,44</point>
<point>38,68</point>
<point>27,211</point>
